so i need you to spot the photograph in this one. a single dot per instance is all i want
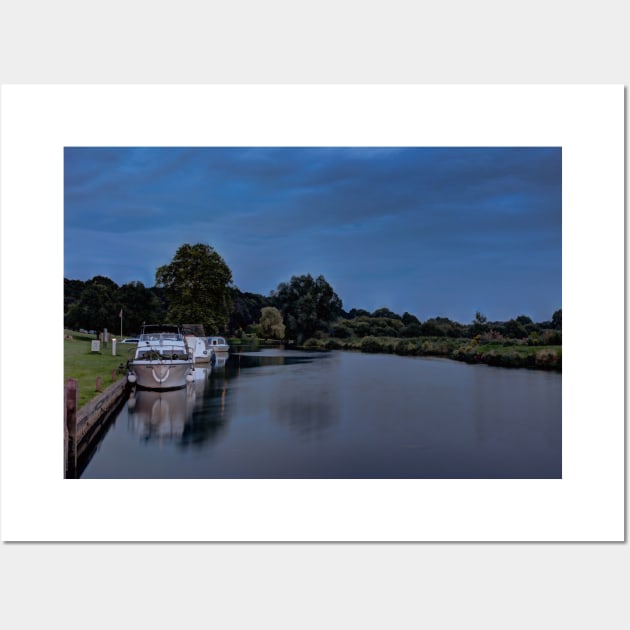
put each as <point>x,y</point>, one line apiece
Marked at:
<point>379,312</point>
<point>346,330</point>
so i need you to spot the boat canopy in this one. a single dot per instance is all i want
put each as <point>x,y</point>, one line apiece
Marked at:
<point>164,332</point>
<point>148,329</point>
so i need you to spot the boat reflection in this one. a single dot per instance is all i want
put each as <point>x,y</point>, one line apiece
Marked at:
<point>162,416</point>
<point>200,378</point>
<point>220,359</point>
<point>210,418</point>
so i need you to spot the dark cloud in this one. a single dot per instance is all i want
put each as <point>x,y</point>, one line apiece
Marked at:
<point>430,226</point>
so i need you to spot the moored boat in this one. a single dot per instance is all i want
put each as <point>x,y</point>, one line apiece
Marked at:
<point>200,351</point>
<point>162,360</point>
<point>218,344</point>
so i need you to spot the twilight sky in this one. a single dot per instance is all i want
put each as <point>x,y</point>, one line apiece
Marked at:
<point>432,231</point>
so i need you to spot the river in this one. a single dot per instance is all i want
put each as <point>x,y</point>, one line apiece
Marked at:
<point>279,413</point>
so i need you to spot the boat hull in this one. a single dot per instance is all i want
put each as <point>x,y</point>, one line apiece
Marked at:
<point>161,375</point>
<point>218,344</point>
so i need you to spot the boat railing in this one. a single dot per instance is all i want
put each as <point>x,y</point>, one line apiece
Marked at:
<point>163,353</point>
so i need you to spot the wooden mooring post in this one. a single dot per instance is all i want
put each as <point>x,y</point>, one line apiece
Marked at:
<point>71,398</point>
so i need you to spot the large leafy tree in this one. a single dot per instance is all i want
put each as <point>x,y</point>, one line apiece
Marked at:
<point>139,305</point>
<point>308,305</point>
<point>515,329</point>
<point>441,327</point>
<point>197,287</point>
<point>358,312</point>
<point>556,319</point>
<point>479,325</point>
<point>97,307</point>
<point>72,290</point>
<point>247,309</point>
<point>385,312</point>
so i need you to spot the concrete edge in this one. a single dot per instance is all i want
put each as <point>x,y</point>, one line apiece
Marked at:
<point>97,409</point>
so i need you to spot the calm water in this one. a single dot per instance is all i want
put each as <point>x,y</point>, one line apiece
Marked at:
<point>282,413</point>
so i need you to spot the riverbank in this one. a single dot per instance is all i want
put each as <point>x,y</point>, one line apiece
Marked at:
<point>86,366</point>
<point>80,363</point>
<point>504,353</point>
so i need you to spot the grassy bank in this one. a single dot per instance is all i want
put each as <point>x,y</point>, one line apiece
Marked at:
<point>81,363</point>
<point>506,353</point>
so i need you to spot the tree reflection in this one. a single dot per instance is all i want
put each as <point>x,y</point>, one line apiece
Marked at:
<point>307,407</point>
<point>209,419</point>
<point>306,417</point>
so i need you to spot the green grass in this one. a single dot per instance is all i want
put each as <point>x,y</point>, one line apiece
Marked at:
<point>81,363</point>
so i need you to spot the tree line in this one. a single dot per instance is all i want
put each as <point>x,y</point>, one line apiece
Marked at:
<point>197,287</point>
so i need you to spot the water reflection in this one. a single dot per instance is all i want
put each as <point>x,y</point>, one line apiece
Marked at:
<point>502,412</point>
<point>308,417</point>
<point>161,416</point>
<point>279,413</point>
<point>209,420</point>
<point>200,378</point>
<point>307,403</point>
<point>221,360</point>
<point>266,358</point>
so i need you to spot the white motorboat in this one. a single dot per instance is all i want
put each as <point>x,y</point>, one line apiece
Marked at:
<point>218,344</point>
<point>200,351</point>
<point>162,360</point>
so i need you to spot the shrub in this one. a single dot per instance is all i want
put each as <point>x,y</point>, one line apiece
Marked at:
<point>411,330</point>
<point>333,344</point>
<point>405,348</point>
<point>370,344</point>
<point>533,339</point>
<point>491,336</point>
<point>548,359</point>
<point>341,330</point>
<point>313,343</point>
<point>551,338</point>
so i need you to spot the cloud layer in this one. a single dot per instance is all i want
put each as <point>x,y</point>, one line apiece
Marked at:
<point>432,231</point>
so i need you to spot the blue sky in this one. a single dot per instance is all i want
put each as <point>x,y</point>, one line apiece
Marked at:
<point>432,231</point>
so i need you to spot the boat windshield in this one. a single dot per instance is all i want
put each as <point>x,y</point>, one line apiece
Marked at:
<point>165,336</point>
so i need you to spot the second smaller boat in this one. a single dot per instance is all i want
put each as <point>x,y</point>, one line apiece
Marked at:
<point>200,351</point>
<point>218,344</point>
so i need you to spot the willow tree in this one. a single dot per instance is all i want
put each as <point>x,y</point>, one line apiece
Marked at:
<point>271,323</point>
<point>197,287</point>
